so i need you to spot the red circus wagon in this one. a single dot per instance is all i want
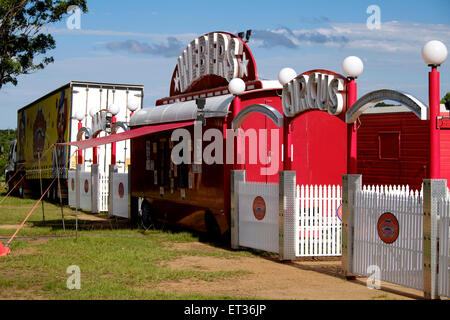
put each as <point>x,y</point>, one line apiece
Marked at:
<point>197,196</point>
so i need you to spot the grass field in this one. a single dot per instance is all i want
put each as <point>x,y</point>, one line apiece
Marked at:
<point>120,262</point>
<point>116,262</point>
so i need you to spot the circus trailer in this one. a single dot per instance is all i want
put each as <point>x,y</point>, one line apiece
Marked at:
<point>298,126</point>
<point>394,146</point>
<point>56,118</point>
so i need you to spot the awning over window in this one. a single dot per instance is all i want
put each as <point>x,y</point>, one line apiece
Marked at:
<point>86,144</point>
<point>182,111</point>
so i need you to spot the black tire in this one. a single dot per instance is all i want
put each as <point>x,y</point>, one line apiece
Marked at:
<point>212,227</point>
<point>147,215</point>
<point>20,191</point>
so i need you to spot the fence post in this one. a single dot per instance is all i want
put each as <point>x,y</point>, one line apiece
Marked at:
<point>287,216</point>
<point>112,171</point>
<point>94,189</point>
<point>434,190</point>
<point>80,168</point>
<point>236,177</point>
<point>351,183</point>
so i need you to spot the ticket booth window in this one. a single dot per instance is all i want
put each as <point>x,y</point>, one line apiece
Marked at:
<point>389,145</point>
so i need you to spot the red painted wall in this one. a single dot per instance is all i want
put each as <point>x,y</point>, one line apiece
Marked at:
<point>412,165</point>
<point>320,148</point>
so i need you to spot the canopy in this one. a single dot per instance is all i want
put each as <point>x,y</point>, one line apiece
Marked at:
<point>182,111</point>
<point>86,144</point>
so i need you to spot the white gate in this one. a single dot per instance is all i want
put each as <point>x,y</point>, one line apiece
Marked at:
<point>444,248</point>
<point>85,189</point>
<point>118,199</point>
<point>71,188</point>
<point>388,235</point>
<point>258,216</point>
<point>320,223</point>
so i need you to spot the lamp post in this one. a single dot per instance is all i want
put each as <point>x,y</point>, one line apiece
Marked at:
<point>352,67</point>
<point>285,76</point>
<point>434,53</point>
<point>132,107</point>
<point>79,115</point>
<point>114,109</point>
<point>92,113</point>
<point>236,88</point>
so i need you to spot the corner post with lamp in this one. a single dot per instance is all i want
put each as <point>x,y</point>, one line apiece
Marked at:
<point>434,53</point>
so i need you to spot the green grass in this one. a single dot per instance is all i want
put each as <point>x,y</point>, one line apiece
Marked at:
<point>114,263</point>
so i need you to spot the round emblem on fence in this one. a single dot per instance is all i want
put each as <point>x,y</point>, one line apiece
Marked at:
<point>259,208</point>
<point>339,212</point>
<point>86,186</point>
<point>72,184</point>
<point>121,190</point>
<point>388,228</point>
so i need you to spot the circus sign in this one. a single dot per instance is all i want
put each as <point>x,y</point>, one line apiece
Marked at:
<point>316,89</point>
<point>212,60</point>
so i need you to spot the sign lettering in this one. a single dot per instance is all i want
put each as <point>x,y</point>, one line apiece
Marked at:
<point>314,91</point>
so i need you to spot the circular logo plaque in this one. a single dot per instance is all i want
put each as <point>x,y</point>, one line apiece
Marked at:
<point>121,190</point>
<point>86,186</point>
<point>339,212</point>
<point>259,208</point>
<point>388,228</point>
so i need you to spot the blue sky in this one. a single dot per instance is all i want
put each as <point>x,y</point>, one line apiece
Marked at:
<point>138,42</point>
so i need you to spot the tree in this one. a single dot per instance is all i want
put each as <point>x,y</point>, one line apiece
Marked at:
<point>446,98</point>
<point>23,45</point>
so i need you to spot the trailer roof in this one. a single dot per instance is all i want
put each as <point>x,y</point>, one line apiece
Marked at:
<point>86,84</point>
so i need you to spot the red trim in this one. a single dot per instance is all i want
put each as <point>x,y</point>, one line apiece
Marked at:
<point>80,153</point>
<point>126,135</point>
<point>434,103</point>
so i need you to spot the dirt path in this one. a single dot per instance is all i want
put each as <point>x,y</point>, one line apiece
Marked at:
<point>270,279</point>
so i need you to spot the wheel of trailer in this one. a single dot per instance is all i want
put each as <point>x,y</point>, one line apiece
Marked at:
<point>212,227</point>
<point>147,215</point>
<point>20,191</point>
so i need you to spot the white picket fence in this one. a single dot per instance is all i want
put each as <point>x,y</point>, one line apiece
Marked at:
<point>444,247</point>
<point>400,262</point>
<point>103,194</point>
<point>320,226</point>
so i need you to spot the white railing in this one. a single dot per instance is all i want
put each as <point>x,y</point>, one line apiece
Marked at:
<point>400,262</point>
<point>262,233</point>
<point>103,193</point>
<point>320,225</point>
<point>444,248</point>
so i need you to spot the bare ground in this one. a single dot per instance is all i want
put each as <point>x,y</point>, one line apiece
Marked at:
<point>271,279</point>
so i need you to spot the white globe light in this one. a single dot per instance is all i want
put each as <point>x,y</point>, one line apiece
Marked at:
<point>92,111</point>
<point>434,53</point>
<point>236,86</point>
<point>79,115</point>
<point>286,75</point>
<point>352,67</point>
<point>132,106</point>
<point>114,109</point>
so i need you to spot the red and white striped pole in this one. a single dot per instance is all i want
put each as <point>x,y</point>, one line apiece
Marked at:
<point>113,144</point>
<point>352,67</point>
<point>434,53</point>
<point>80,152</point>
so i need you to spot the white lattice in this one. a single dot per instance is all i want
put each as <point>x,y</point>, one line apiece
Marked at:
<point>444,248</point>
<point>254,233</point>
<point>320,232</point>
<point>400,262</point>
